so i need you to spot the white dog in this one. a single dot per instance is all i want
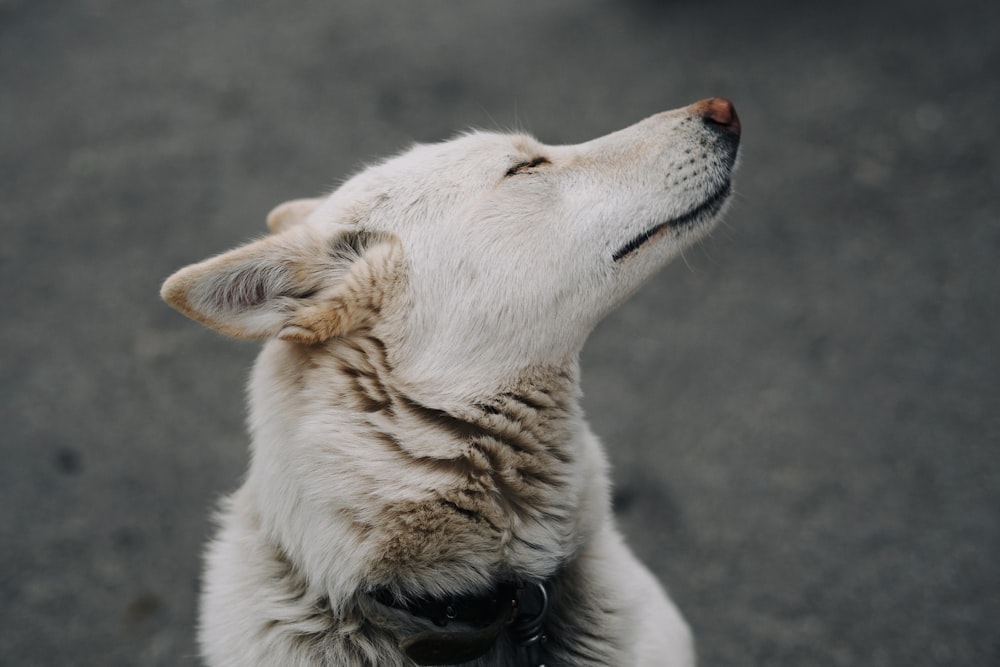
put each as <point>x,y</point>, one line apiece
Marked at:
<point>423,486</point>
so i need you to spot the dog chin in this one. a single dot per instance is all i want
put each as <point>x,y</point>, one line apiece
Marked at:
<point>702,215</point>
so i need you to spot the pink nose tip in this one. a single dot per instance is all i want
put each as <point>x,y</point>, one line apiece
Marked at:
<point>718,111</point>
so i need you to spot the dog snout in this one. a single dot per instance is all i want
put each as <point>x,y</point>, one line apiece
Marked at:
<point>719,113</point>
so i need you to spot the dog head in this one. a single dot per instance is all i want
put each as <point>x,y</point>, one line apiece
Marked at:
<point>480,256</point>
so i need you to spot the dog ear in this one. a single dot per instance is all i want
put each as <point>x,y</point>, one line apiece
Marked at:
<point>304,285</point>
<point>291,213</point>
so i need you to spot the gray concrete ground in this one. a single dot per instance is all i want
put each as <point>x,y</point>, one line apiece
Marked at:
<point>803,414</point>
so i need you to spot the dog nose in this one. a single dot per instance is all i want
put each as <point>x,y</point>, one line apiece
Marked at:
<point>720,112</point>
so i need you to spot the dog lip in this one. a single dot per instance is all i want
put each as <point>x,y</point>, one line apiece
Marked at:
<point>709,207</point>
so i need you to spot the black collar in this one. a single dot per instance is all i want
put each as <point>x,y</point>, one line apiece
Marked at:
<point>519,608</point>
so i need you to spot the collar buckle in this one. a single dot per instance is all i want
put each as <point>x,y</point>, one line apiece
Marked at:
<point>520,608</point>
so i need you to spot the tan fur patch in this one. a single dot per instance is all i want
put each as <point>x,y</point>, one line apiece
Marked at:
<point>354,303</point>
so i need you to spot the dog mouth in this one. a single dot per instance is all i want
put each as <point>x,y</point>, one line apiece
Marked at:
<point>706,209</point>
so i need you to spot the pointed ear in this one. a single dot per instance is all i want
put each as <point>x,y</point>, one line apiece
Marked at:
<point>291,213</point>
<point>305,285</point>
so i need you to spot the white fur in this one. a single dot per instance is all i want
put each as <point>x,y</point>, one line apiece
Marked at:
<point>415,417</point>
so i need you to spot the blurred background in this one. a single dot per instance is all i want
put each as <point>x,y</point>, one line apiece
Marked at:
<point>803,413</point>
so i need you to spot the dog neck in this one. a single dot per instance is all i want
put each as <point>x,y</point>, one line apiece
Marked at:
<point>407,495</point>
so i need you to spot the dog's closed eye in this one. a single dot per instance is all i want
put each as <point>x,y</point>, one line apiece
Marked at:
<point>529,164</point>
